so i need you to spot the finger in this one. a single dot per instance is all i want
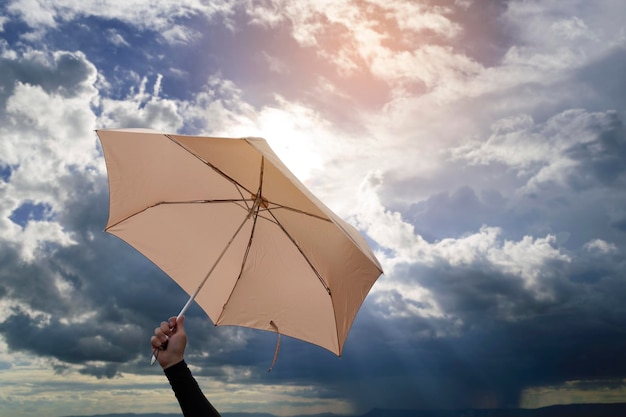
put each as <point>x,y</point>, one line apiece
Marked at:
<point>155,342</point>
<point>165,328</point>
<point>160,334</point>
<point>172,322</point>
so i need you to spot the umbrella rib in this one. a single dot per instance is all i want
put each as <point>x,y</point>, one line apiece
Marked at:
<point>295,210</point>
<point>216,169</point>
<point>235,182</point>
<point>258,201</point>
<point>247,252</point>
<point>306,258</point>
<point>234,200</point>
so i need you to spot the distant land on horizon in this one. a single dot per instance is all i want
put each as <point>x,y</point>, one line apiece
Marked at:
<point>570,410</point>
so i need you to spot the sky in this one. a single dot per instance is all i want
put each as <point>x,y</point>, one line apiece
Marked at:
<point>478,145</point>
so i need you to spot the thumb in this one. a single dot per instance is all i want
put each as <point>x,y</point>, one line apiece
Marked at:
<point>180,323</point>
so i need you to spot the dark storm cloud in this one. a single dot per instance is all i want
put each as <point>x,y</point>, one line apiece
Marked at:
<point>24,282</point>
<point>512,338</point>
<point>110,301</point>
<point>497,337</point>
<point>109,370</point>
<point>106,306</point>
<point>76,343</point>
<point>499,333</point>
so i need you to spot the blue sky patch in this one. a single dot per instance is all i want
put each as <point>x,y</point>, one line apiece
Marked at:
<point>5,172</point>
<point>30,211</point>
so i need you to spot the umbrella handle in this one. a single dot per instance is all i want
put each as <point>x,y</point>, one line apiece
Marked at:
<point>155,351</point>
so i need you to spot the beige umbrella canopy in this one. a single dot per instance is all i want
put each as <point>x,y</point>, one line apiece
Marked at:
<point>237,231</point>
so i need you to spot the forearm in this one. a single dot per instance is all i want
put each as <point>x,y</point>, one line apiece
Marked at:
<point>192,401</point>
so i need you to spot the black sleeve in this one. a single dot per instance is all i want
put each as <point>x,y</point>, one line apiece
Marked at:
<point>192,401</point>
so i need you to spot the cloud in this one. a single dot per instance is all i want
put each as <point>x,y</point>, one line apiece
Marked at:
<point>51,216</point>
<point>72,344</point>
<point>383,39</point>
<point>141,109</point>
<point>116,38</point>
<point>162,17</point>
<point>478,296</point>
<point>575,148</point>
<point>527,260</point>
<point>64,73</point>
<point>36,14</point>
<point>3,20</point>
<point>479,146</point>
<point>45,124</point>
<point>548,26</point>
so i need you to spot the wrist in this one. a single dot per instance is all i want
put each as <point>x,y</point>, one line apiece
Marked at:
<point>172,362</point>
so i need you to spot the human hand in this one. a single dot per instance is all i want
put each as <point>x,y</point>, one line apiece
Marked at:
<point>169,342</point>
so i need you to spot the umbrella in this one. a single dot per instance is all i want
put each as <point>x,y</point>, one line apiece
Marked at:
<point>227,221</point>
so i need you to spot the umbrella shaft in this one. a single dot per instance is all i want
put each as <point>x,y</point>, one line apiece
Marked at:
<point>219,258</point>
<point>195,293</point>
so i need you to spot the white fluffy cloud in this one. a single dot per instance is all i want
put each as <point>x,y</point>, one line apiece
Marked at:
<point>160,16</point>
<point>543,152</point>
<point>141,108</point>
<point>528,259</point>
<point>356,38</point>
<point>47,136</point>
